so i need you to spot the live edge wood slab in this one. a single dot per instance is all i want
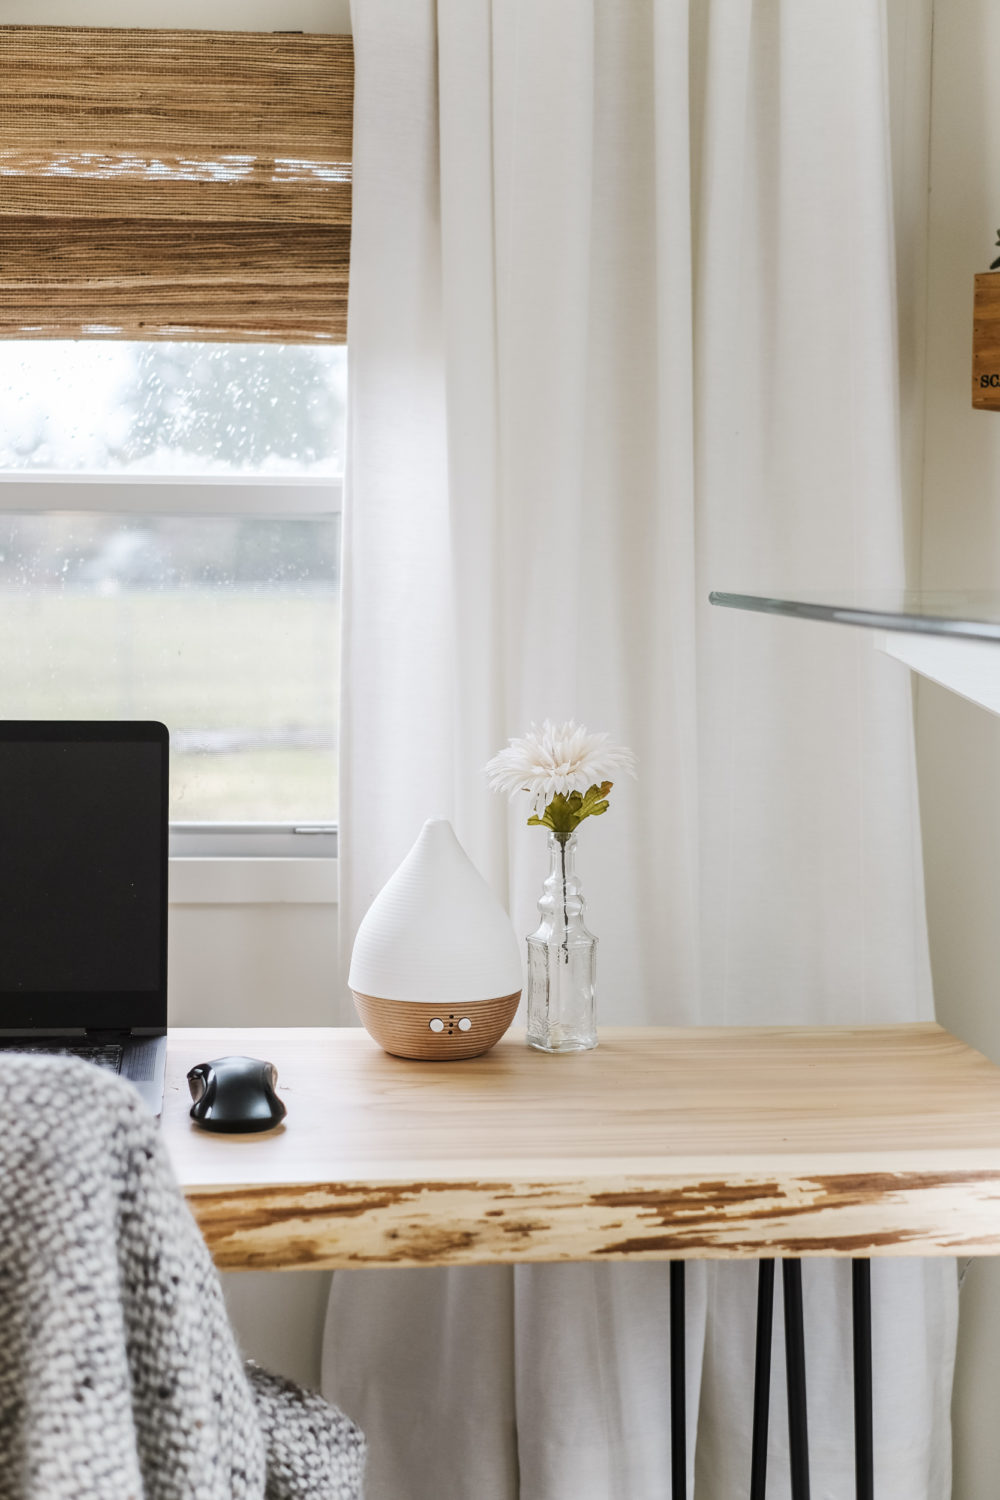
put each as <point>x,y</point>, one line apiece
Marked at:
<point>663,1143</point>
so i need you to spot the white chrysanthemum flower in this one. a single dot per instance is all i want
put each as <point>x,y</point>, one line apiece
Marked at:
<point>558,758</point>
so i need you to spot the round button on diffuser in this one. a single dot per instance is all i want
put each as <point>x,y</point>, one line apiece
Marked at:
<point>436,1024</point>
<point>465,1024</point>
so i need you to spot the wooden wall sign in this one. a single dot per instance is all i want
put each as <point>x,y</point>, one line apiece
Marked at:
<point>986,342</point>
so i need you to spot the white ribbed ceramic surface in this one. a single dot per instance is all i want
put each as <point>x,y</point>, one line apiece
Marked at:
<point>436,932</point>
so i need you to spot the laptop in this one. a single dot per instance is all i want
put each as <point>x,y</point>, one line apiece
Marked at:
<point>83,894</point>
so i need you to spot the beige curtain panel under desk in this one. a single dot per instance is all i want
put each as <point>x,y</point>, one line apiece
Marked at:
<point>174,184</point>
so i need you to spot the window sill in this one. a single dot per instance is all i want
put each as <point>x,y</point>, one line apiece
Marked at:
<point>209,880</point>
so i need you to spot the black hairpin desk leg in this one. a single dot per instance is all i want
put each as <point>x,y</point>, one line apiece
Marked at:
<point>678,1411</point>
<point>762,1379</point>
<point>864,1464</point>
<point>795,1365</point>
<point>795,1368</point>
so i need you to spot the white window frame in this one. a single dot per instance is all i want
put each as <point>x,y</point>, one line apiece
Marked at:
<point>212,863</point>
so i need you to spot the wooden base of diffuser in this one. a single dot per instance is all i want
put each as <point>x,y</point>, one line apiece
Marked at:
<point>403,1027</point>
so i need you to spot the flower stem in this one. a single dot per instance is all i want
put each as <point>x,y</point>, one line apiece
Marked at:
<point>563,837</point>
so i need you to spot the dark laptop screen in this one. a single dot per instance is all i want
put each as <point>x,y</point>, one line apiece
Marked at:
<point>82,875</point>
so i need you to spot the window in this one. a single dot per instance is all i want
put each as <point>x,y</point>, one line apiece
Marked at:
<point>174,247</point>
<point>169,548</point>
<point>164,409</point>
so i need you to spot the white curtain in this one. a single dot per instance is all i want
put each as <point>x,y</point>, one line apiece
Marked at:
<point>622,331</point>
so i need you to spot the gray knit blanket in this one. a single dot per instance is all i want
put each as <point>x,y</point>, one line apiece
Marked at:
<point>120,1378</point>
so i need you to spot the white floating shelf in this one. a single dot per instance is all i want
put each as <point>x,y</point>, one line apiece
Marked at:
<point>970,668</point>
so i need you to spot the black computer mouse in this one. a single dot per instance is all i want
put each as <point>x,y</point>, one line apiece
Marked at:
<point>235,1094</point>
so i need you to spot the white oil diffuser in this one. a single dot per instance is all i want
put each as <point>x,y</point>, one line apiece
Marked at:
<point>436,967</point>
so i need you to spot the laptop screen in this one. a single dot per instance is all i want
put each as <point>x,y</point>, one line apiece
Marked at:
<point>83,867</point>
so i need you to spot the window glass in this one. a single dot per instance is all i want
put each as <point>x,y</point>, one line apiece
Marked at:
<point>92,407</point>
<point>223,627</point>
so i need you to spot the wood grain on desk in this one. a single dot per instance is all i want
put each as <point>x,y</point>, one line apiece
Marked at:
<point>662,1143</point>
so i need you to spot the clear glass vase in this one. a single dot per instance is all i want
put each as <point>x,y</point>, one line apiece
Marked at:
<point>562,960</point>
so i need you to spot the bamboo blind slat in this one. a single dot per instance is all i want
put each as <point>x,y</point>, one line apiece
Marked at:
<point>155,181</point>
<point>231,282</point>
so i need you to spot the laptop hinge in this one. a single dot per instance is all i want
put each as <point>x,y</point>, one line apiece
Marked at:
<point>104,1034</point>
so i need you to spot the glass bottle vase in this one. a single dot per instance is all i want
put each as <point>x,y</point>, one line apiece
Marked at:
<point>562,960</point>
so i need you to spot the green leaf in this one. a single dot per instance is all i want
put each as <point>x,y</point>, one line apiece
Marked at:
<point>564,814</point>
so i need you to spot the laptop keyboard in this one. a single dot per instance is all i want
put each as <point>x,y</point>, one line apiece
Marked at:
<point>107,1055</point>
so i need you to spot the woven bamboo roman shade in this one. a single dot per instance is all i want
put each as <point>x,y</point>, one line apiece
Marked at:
<point>174,184</point>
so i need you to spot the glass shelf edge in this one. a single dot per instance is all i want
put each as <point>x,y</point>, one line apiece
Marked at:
<point>867,618</point>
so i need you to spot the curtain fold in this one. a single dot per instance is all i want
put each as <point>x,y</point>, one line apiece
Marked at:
<point>622,331</point>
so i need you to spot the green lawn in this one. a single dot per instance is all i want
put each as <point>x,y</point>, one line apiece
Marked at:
<point>257,664</point>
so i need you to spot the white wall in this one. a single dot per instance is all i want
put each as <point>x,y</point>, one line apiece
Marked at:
<point>254,965</point>
<point>959,744</point>
<point>204,15</point>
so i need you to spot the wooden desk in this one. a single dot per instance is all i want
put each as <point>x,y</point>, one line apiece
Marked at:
<point>661,1144</point>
